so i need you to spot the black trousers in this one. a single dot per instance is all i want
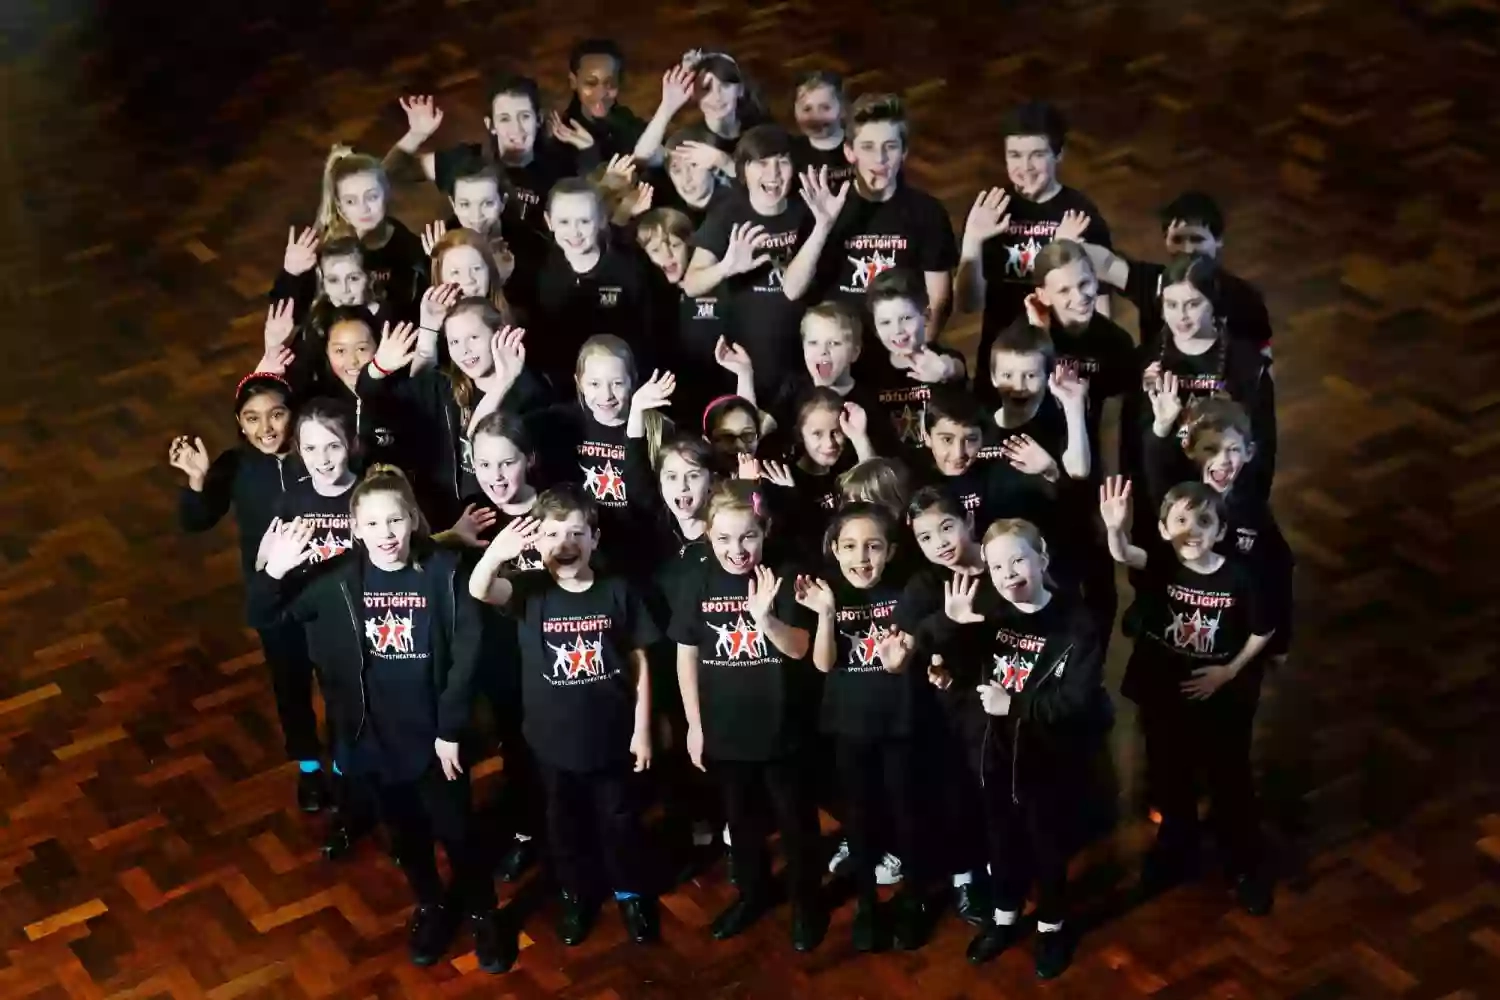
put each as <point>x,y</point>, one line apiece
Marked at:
<point>594,823</point>
<point>1029,844</point>
<point>285,648</point>
<point>1193,745</point>
<point>882,806</point>
<point>959,847</point>
<point>744,785</point>
<point>524,798</point>
<point>432,810</point>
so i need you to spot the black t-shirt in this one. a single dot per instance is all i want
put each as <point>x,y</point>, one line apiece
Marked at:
<point>692,326</point>
<point>614,135</point>
<point>1104,354</point>
<point>899,404</point>
<point>613,297</point>
<point>577,687</point>
<point>1009,257</point>
<point>761,317</point>
<point>910,230</point>
<point>862,700</point>
<point>805,156</point>
<point>329,516</point>
<point>401,714</point>
<point>1242,307</point>
<point>664,194</point>
<point>753,698</point>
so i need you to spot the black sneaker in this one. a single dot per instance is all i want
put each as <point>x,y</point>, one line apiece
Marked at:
<point>1254,892</point>
<point>312,791</point>
<point>496,945</point>
<point>909,924</point>
<point>428,934</point>
<point>641,920</point>
<point>990,942</point>
<point>1053,951</point>
<point>513,864</point>
<point>971,904</point>
<point>736,918</point>
<point>575,921</point>
<point>866,927</point>
<point>809,924</point>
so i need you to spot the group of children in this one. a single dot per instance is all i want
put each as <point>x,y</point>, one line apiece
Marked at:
<point>652,450</point>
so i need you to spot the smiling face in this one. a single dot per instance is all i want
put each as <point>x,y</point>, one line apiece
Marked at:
<point>1031,165</point>
<point>1016,568</point>
<point>862,551</point>
<point>566,544</point>
<point>737,540</point>
<point>500,468</point>
<point>717,99</point>
<point>513,122</point>
<point>684,486</point>
<point>669,253</point>
<point>1192,532</point>
<point>900,325</point>
<point>265,421</point>
<point>575,220</point>
<point>877,151</point>
<point>477,203</point>
<point>361,200</point>
<point>597,84</point>
<point>828,350</point>
<point>465,267</point>
<point>767,182</point>
<point>324,453</point>
<point>943,538</point>
<point>818,113</point>
<point>345,281</point>
<point>736,433</point>
<point>954,446</point>
<point>384,525</point>
<point>1020,378</point>
<point>693,180</point>
<point>822,437</point>
<point>1187,311</point>
<point>469,343</point>
<point>350,347</point>
<point>604,384</point>
<point>1192,237</point>
<point>1221,455</point>
<point>1071,292</point>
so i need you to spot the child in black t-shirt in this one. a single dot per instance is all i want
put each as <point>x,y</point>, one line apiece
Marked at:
<point>869,709</point>
<point>740,642</point>
<point>1195,674</point>
<point>819,112</point>
<point>830,436</point>
<point>903,380</point>
<point>830,335</point>
<point>596,71</point>
<point>586,693</point>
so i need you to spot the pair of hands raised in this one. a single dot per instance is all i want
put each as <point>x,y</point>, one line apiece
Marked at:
<point>958,605</point>
<point>398,347</point>
<point>423,117</point>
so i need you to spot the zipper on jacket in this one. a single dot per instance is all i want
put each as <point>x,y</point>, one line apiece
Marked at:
<point>281,471</point>
<point>1015,746</point>
<point>359,647</point>
<point>458,456</point>
<point>984,747</point>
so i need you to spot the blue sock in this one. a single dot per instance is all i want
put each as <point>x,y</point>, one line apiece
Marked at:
<point>622,896</point>
<point>336,769</point>
<point>311,766</point>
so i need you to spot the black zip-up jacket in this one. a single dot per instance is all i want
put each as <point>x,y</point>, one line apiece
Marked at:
<point>328,601</point>
<point>395,261</point>
<point>251,482</point>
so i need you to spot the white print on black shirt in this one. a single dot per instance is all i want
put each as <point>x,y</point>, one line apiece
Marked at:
<point>866,268</point>
<point>605,483</point>
<point>775,270</point>
<point>739,643</point>
<point>582,660</point>
<point>1014,666</point>
<point>1020,257</point>
<point>523,199</point>
<point>1195,633</point>
<point>1244,539</point>
<point>609,296</point>
<point>864,647</point>
<point>331,535</point>
<point>705,308</point>
<point>907,421</point>
<point>391,635</point>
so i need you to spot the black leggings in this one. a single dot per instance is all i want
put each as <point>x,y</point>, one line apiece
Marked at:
<point>783,781</point>
<point>292,671</point>
<point>879,783</point>
<point>594,817</point>
<point>430,810</point>
<point>1029,844</point>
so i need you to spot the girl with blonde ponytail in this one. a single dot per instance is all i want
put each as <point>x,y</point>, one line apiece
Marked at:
<point>355,202</point>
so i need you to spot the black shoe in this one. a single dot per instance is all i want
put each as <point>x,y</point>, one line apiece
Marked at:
<point>642,922</point>
<point>1053,951</point>
<point>312,791</point>
<point>737,918</point>
<point>428,934</point>
<point>496,944</point>
<point>575,921</point>
<point>910,923</point>
<point>991,941</point>
<point>1163,870</point>
<point>970,904</point>
<point>866,926</point>
<point>809,924</point>
<point>521,856</point>
<point>1254,893</point>
<point>340,840</point>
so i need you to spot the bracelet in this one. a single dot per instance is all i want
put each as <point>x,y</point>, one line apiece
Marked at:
<point>376,365</point>
<point>428,329</point>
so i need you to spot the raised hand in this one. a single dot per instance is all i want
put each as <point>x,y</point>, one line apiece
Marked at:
<point>894,647</point>
<point>994,698</point>
<point>701,154</point>
<point>928,366</point>
<point>823,201</point>
<point>853,421</point>
<point>937,674</point>
<point>814,594</point>
<point>1067,387</point>
<point>763,588</point>
<point>988,216</point>
<point>437,302</point>
<point>397,348</point>
<point>677,85</point>
<point>279,324</point>
<point>1166,403</point>
<point>571,132</point>
<point>749,467</point>
<point>741,256</point>
<point>622,165</point>
<point>655,392</point>
<point>515,538</point>
<point>644,194</point>
<point>288,548</point>
<point>432,234</point>
<point>276,360</point>
<point>1038,313</point>
<point>777,473</point>
<point>474,521</point>
<point>733,358</point>
<point>1151,377</point>
<point>1114,502</point>
<point>508,345</point>
<point>1025,455</point>
<point>188,456</point>
<point>958,599</point>
<point>423,116</point>
<point>301,253</point>
<point>1072,227</point>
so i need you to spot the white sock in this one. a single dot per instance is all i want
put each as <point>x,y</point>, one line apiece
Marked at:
<point>962,879</point>
<point>1005,917</point>
<point>1044,928</point>
<point>523,837</point>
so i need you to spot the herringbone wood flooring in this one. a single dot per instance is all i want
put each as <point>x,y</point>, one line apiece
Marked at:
<point>154,154</point>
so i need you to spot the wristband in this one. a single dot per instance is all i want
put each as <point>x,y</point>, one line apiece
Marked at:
<point>376,365</point>
<point>428,329</point>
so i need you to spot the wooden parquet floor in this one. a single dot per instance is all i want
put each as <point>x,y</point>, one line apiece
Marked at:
<point>155,152</point>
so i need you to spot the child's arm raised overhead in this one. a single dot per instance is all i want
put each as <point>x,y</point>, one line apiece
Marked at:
<point>1114,508</point>
<point>485,583</point>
